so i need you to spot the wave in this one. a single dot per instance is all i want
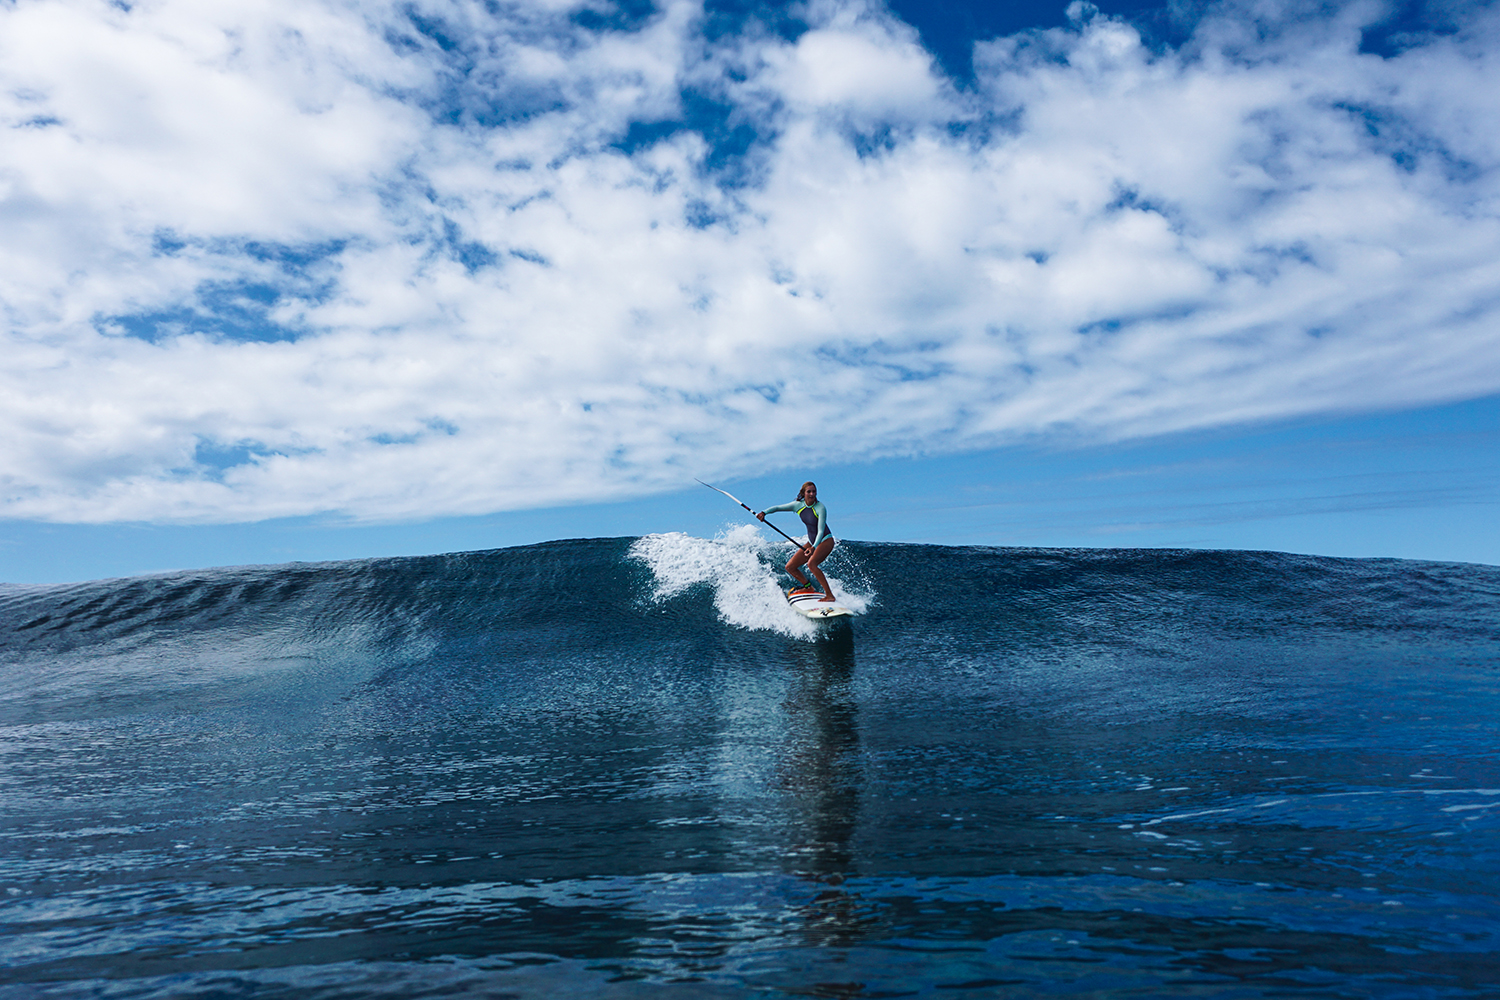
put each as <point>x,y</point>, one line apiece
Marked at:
<point>583,585</point>
<point>525,771</point>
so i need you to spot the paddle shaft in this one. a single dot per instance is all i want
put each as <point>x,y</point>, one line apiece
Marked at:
<point>783,534</point>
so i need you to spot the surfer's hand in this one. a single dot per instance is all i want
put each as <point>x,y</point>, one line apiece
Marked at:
<point>761,516</point>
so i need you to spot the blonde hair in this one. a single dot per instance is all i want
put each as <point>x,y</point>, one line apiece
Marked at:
<point>803,490</point>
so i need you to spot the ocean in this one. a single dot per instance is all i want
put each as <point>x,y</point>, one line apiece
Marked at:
<point>623,768</point>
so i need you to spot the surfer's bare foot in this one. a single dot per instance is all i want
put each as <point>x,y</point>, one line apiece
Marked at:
<point>827,598</point>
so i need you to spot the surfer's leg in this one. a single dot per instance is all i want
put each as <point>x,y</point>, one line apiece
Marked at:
<point>794,567</point>
<point>812,564</point>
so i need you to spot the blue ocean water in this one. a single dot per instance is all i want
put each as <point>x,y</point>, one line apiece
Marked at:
<point>622,768</point>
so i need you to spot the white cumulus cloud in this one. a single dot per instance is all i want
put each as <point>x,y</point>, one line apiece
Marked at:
<point>394,260</point>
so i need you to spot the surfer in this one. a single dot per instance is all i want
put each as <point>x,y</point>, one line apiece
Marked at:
<point>820,539</point>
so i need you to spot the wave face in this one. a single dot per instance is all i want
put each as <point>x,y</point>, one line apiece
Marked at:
<point>622,767</point>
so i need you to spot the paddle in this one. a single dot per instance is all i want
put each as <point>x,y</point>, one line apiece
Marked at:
<point>783,534</point>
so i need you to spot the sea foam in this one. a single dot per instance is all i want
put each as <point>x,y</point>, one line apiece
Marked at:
<point>743,568</point>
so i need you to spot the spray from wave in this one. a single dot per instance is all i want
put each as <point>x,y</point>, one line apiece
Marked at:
<point>743,568</point>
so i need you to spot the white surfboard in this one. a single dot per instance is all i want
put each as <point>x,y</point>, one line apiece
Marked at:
<point>813,606</point>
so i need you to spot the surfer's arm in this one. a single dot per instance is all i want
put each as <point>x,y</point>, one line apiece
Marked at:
<point>822,513</point>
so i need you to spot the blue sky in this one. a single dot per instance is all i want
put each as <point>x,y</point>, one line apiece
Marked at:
<point>325,280</point>
<point>1414,484</point>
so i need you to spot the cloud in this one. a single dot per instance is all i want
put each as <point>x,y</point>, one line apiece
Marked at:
<point>393,261</point>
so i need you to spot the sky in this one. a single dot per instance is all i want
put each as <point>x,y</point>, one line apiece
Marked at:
<point>306,279</point>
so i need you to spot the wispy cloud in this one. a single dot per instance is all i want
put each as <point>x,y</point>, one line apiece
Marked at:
<point>395,261</point>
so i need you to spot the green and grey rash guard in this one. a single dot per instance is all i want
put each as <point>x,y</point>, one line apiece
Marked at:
<point>815,516</point>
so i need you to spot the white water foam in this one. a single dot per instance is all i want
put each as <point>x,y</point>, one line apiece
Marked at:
<point>744,569</point>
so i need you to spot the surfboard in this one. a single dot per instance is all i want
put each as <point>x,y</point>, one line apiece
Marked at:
<point>811,604</point>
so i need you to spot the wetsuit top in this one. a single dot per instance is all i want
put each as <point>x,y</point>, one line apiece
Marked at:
<point>815,516</point>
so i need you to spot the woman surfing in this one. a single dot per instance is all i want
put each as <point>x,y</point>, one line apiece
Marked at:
<point>820,539</point>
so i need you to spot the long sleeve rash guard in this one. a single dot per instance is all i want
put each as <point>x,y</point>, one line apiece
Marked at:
<point>815,516</point>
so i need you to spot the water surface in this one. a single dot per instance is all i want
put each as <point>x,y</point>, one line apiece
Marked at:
<point>621,767</point>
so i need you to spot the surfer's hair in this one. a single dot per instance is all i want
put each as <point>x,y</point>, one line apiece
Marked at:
<point>802,492</point>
